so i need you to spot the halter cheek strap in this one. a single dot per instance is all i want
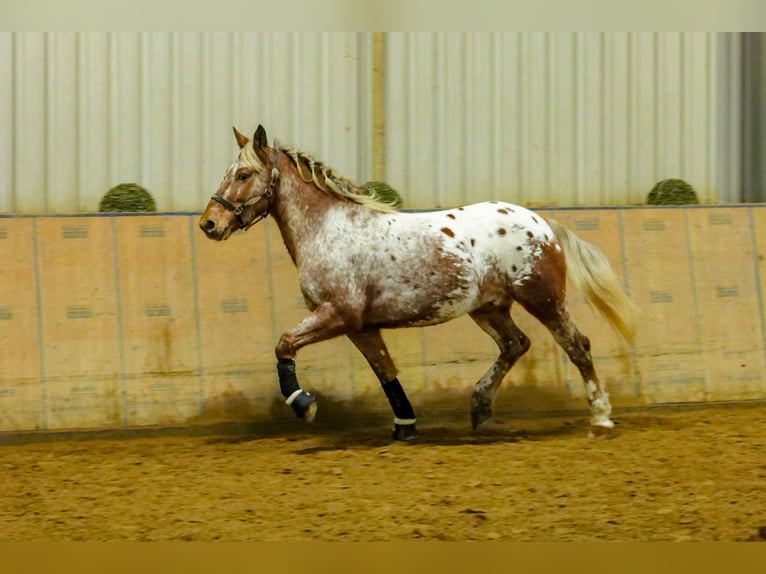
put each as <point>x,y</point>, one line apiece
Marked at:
<point>267,195</point>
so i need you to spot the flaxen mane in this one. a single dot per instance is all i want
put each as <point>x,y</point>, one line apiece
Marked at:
<point>312,171</point>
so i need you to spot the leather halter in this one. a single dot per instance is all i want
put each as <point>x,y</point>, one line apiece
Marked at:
<point>268,195</point>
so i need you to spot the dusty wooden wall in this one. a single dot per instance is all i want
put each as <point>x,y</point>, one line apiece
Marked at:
<point>128,321</point>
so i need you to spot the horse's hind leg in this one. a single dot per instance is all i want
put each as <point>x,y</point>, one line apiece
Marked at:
<point>513,343</point>
<point>577,347</point>
<point>371,345</point>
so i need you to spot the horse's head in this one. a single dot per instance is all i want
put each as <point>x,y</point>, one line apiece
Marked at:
<point>246,193</point>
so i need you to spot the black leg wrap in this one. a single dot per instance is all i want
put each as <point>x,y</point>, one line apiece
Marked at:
<point>404,414</point>
<point>302,403</point>
<point>400,404</point>
<point>288,382</point>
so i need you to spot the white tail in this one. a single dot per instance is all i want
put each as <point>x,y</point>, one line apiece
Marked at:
<point>589,271</point>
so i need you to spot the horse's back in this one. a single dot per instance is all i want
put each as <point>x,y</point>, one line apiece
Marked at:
<point>510,237</point>
<point>490,220</point>
<point>494,247</point>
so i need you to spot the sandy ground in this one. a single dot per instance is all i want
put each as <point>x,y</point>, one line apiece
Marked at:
<point>671,475</point>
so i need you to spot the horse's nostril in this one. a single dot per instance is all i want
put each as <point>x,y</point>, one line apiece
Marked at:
<point>207,225</point>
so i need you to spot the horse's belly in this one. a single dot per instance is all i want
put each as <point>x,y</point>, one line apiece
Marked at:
<point>428,303</point>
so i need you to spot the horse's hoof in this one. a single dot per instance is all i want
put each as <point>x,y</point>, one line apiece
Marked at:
<point>599,431</point>
<point>310,413</point>
<point>481,410</point>
<point>480,416</point>
<point>404,432</point>
<point>305,406</point>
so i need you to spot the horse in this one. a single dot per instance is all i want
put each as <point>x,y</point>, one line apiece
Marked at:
<point>364,266</point>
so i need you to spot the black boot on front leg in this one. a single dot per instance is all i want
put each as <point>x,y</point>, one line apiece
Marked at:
<point>303,404</point>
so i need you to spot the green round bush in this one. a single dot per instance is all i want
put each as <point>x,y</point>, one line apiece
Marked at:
<point>129,197</point>
<point>672,192</point>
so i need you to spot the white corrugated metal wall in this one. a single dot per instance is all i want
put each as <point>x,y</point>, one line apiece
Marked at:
<point>82,112</point>
<point>550,118</point>
<point>534,118</point>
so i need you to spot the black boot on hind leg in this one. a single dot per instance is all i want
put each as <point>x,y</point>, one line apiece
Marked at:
<point>404,415</point>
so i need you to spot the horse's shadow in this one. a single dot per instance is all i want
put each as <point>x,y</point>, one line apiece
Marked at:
<point>435,436</point>
<point>345,426</point>
<point>358,436</point>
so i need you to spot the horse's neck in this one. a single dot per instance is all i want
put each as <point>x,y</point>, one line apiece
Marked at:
<point>300,211</point>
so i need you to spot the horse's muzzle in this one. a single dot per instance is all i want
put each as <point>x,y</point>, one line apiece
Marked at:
<point>211,229</point>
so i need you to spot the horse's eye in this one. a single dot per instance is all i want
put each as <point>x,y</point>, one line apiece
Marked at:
<point>242,176</point>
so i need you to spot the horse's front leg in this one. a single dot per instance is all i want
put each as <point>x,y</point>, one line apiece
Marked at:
<point>324,323</point>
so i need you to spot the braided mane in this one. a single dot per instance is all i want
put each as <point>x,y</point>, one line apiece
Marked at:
<point>323,177</point>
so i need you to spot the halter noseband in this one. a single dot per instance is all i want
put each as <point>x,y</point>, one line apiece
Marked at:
<point>268,194</point>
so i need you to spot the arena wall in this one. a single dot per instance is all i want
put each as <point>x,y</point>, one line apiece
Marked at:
<point>110,322</point>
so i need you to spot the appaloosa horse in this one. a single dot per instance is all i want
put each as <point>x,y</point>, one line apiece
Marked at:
<point>363,266</point>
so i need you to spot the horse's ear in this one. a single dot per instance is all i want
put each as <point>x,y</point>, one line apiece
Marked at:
<point>241,139</point>
<point>260,139</point>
